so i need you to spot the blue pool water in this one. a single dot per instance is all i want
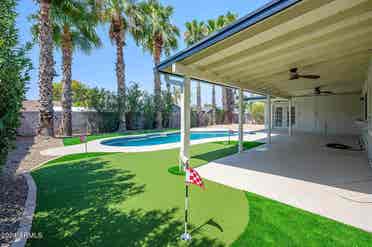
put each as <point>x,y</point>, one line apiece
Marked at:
<point>156,139</point>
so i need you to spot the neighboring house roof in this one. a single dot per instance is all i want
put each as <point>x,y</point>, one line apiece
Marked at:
<point>34,105</point>
<point>252,18</point>
<point>30,106</point>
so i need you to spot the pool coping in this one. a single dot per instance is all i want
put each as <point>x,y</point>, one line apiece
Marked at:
<point>97,146</point>
<point>235,134</point>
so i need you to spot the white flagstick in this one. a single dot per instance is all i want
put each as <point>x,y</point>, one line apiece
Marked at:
<point>186,236</point>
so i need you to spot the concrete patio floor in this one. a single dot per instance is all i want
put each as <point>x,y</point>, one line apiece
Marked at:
<point>302,172</point>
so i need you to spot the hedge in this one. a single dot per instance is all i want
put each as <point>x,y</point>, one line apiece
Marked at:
<point>14,73</point>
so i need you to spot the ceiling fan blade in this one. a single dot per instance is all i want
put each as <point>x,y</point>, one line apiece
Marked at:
<point>293,70</point>
<point>326,92</point>
<point>293,75</point>
<point>310,76</point>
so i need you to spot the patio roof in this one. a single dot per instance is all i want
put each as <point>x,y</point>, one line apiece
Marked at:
<point>331,38</point>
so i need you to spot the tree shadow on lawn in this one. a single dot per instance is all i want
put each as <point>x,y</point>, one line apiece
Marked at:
<point>216,154</point>
<point>230,149</point>
<point>83,204</point>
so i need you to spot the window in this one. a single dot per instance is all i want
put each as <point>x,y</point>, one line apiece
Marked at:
<point>279,116</point>
<point>365,107</point>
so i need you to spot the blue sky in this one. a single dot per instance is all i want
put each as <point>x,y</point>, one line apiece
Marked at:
<point>97,69</point>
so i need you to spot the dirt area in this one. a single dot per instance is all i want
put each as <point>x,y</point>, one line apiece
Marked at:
<point>13,186</point>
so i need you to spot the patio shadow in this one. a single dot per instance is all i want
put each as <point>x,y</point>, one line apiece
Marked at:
<point>305,157</point>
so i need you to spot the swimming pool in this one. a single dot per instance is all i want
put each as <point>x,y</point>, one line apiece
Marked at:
<point>164,138</point>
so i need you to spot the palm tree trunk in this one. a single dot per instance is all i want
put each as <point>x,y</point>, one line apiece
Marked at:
<point>120,77</point>
<point>228,105</point>
<point>66,99</point>
<point>213,105</point>
<point>224,104</point>
<point>157,84</point>
<point>46,71</point>
<point>198,103</point>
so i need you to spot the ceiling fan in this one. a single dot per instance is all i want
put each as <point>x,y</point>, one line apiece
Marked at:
<point>317,91</point>
<point>294,75</point>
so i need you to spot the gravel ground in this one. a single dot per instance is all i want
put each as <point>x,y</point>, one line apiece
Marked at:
<point>13,186</point>
<point>13,193</point>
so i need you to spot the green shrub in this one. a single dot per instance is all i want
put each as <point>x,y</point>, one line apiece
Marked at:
<point>167,107</point>
<point>258,112</point>
<point>149,111</point>
<point>134,104</point>
<point>14,73</point>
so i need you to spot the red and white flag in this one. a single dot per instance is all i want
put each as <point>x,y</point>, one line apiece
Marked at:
<point>83,138</point>
<point>193,177</point>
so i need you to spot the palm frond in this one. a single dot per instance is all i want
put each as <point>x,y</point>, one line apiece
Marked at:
<point>79,17</point>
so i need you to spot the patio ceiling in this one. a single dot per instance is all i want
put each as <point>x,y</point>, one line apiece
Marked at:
<point>330,38</point>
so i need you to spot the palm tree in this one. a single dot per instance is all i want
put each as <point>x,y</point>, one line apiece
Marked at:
<point>159,35</point>
<point>214,25</point>
<point>46,70</point>
<point>227,94</point>
<point>123,17</point>
<point>195,31</point>
<point>73,27</point>
<point>213,104</point>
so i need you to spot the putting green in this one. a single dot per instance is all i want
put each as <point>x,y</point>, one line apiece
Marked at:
<point>132,200</point>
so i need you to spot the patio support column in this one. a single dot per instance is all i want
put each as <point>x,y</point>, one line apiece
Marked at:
<point>268,102</point>
<point>185,119</point>
<point>290,117</point>
<point>241,120</point>
<point>271,114</point>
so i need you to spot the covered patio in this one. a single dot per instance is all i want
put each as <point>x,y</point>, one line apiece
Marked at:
<point>313,58</point>
<point>301,171</point>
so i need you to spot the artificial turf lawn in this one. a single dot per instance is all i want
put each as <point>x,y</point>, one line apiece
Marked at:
<point>68,141</point>
<point>132,200</point>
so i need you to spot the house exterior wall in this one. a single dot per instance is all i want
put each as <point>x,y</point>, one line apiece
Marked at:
<point>366,111</point>
<point>328,115</point>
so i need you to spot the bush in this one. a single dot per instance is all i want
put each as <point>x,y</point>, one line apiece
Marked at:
<point>258,112</point>
<point>105,103</point>
<point>14,73</point>
<point>134,104</point>
<point>149,111</point>
<point>107,122</point>
<point>167,107</point>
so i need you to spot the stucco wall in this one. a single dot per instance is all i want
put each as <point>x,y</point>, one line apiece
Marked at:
<point>328,115</point>
<point>30,122</point>
<point>366,131</point>
<point>368,89</point>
